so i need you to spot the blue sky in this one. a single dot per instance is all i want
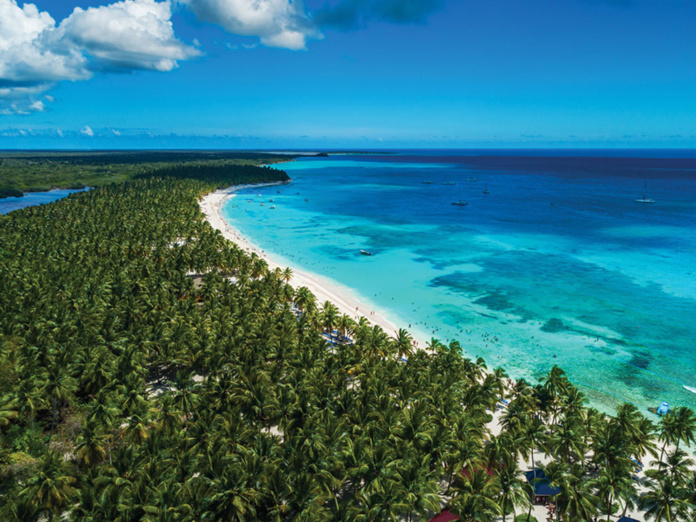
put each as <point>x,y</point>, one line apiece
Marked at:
<point>347,73</point>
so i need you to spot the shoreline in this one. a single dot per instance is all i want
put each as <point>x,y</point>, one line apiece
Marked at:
<point>353,305</point>
<point>346,299</point>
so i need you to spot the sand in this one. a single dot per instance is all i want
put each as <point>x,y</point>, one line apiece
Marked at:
<point>345,299</point>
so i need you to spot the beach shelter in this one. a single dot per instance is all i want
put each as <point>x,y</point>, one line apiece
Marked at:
<point>627,519</point>
<point>444,516</point>
<point>542,491</point>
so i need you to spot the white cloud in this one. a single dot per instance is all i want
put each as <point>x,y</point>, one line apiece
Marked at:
<point>23,100</point>
<point>29,55</point>
<point>132,34</point>
<point>35,53</point>
<point>278,23</point>
<point>87,131</point>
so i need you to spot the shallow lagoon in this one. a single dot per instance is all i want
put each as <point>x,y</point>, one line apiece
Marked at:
<point>31,199</point>
<point>556,265</point>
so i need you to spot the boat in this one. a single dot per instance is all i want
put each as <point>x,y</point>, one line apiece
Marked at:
<point>270,200</point>
<point>272,207</point>
<point>472,179</point>
<point>486,191</point>
<point>448,183</point>
<point>306,200</point>
<point>663,409</point>
<point>427,182</point>
<point>460,203</point>
<point>365,253</point>
<point>645,199</point>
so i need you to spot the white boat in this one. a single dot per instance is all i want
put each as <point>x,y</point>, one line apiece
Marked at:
<point>645,199</point>
<point>460,203</point>
<point>365,253</point>
<point>272,207</point>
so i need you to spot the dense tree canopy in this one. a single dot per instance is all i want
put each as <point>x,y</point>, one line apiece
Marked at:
<point>151,370</point>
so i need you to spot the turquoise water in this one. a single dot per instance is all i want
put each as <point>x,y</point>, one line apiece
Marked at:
<point>31,199</point>
<point>558,264</point>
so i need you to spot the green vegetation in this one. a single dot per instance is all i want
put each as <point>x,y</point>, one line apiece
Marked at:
<point>151,370</point>
<point>11,193</point>
<point>38,172</point>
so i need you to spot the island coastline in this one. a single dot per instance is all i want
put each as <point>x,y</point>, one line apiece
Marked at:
<point>324,289</point>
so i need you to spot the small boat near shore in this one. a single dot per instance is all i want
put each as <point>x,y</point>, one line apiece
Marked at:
<point>460,203</point>
<point>365,253</point>
<point>663,409</point>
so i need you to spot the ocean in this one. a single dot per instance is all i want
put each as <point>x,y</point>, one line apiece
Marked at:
<point>551,262</point>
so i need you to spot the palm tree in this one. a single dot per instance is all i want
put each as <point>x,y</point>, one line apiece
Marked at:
<point>613,485</point>
<point>684,425</point>
<point>513,491</point>
<point>59,386</point>
<point>287,274</point>
<point>52,487</point>
<point>475,496</point>
<point>664,500</point>
<point>403,343</point>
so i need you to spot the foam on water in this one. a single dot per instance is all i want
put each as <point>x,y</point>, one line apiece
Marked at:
<point>552,267</point>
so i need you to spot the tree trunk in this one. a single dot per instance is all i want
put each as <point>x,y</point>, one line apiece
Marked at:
<point>529,513</point>
<point>609,507</point>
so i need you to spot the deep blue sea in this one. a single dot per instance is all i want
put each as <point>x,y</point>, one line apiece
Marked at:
<point>556,264</point>
<point>31,199</point>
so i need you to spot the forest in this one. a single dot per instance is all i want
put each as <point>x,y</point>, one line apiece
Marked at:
<point>41,171</point>
<point>150,370</point>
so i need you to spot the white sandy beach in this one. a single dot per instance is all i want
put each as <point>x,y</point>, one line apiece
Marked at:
<point>346,299</point>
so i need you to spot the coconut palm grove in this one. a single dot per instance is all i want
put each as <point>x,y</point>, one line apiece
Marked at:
<point>152,370</point>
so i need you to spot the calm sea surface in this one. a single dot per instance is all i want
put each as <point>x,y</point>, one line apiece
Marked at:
<point>557,264</point>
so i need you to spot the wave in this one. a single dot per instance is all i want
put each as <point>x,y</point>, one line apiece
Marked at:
<point>691,389</point>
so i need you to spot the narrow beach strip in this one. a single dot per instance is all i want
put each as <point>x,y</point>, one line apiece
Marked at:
<point>323,288</point>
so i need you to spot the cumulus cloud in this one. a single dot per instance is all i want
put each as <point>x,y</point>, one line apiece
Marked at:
<point>132,34</point>
<point>29,55</point>
<point>351,14</point>
<point>35,53</point>
<point>278,23</point>
<point>87,131</point>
